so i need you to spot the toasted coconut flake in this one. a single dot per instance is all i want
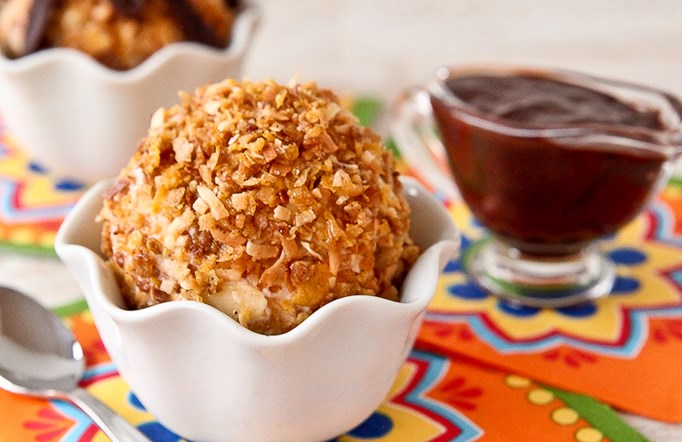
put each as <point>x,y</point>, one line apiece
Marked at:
<point>293,82</point>
<point>183,150</point>
<point>175,196</point>
<point>213,160</point>
<point>274,274</point>
<point>219,234</point>
<point>328,142</point>
<point>306,245</point>
<point>212,107</point>
<point>341,179</point>
<point>334,262</point>
<point>158,118</point>
<point>176,227</point>
<point>303,177</point>
<point>240,201</point>
<point>282,213</point>
<point>305,217</point>
<point>167,286</point>
<point>281,96</point>
<point>216,206</point>
<point>200,206</point>
<point>355,261</point>
<point>206,174</point>
<point>261,251</point>
<point>331,110</point>
<point>231,274</point>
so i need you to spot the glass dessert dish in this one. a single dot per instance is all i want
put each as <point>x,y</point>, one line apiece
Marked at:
<point>550,162</point>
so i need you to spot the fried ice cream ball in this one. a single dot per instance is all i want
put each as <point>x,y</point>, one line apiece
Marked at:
<point>263,200</point>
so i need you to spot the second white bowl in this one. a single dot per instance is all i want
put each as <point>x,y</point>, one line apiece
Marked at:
<point>83,120</point>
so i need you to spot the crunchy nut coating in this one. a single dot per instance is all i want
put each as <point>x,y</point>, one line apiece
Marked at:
<point>263,200</point>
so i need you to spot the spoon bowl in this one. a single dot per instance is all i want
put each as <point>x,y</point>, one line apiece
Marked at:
<point>35,361</point>
<point>40,357</point>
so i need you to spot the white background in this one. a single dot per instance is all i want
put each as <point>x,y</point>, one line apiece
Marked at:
<point>382,46</point>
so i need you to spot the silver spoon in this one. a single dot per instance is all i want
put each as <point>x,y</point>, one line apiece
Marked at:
<point>40,357</point>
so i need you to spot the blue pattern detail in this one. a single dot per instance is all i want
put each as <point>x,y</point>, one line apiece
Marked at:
<point>453,266</point>
<point>630,348</point>
<point>37,168</point>
<point>624,285</point>
<point>68,185</point>
<point>135,401</point>
<point>664,223</point>
<point>676,276</point>
<point>4,151</point>
<point>376,426</point>
<point>514,309</point>
<point>153,429</point>
<point>158,433</point>
<point>583,310</point>
<point>465,242</point>
<point>627,256</point>
<point>468,291</point>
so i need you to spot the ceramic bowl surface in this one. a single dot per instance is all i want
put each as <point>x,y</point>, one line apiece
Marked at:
<point>208,378</point>
<point>82,120</point>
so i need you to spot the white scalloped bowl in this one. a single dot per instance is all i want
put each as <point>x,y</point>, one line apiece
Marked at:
<point>82,120</point>
<point>207,378</point>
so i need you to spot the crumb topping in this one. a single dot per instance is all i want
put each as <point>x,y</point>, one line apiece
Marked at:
<point>263,200</point>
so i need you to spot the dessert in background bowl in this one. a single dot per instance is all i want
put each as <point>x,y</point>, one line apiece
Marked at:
<point>312,261</point>
<point>77,89</point>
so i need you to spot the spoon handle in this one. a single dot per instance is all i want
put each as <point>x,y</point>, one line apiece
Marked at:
<point>112,424</point>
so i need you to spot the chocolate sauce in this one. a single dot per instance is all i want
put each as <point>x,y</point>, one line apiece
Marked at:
<point>543,195</point>
<point>542,102</point>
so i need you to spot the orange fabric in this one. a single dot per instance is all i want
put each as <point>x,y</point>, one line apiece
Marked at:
<point>434,398</point>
